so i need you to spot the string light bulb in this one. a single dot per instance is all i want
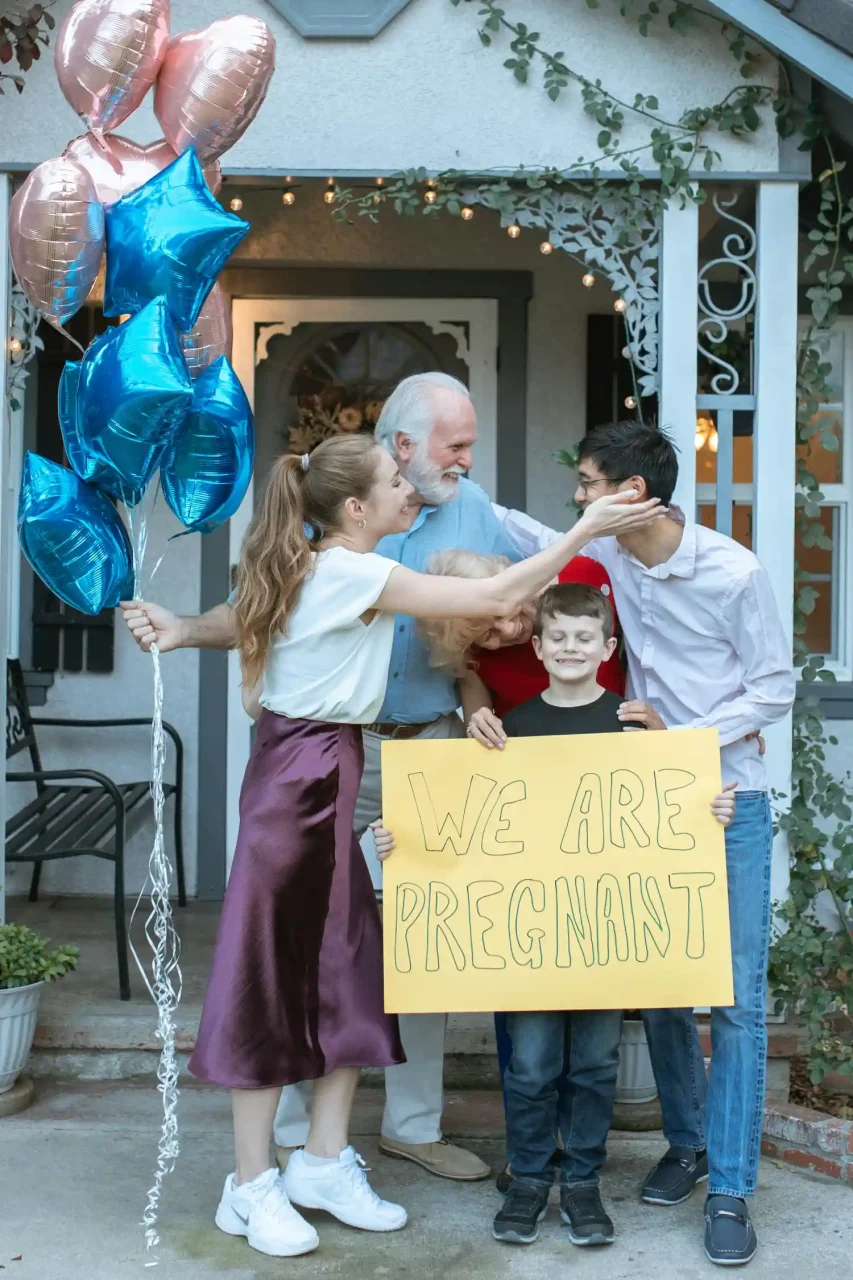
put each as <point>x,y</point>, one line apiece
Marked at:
<point>430,197</point>
<point>236,204</point>
<point>288,198</point>
<point>288,182</point>
<point>377,199</point>
<point>546,247</point>
<point>431,182</point>
<point>16,346</point>
<point>467,213</point>
<point>588,280</point>
<point>380,182</point>
<point>513,231</point>
<point>620,305</point>
<point>626,353</point>
<point>330,196</point>
<point>630,402</point>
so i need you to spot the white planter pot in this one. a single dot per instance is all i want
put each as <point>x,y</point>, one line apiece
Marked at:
<point>18,1013</point>
<point>635,1081</point>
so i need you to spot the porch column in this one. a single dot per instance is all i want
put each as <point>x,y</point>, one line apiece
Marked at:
<point>774,465</point>
<point>679,267</point>
<point>7,528</point>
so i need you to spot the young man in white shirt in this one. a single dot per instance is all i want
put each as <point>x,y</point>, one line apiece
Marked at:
<point>706,649</point>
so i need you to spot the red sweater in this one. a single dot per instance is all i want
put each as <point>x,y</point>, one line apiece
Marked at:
<point>515,675</point>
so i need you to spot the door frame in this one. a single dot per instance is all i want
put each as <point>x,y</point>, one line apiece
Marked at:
<point>222,754</point>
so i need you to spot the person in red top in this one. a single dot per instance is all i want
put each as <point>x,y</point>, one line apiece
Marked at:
<point>495,663</point>
<point>512,671</point>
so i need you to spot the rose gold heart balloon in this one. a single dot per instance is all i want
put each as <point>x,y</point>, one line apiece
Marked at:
<point>138,164</point>
<point>211,337</point>
<point>56,235</point>
<point>212,84</point>
<point>108,53</point>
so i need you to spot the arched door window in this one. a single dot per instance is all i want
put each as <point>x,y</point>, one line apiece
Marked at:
<point>321,380</point>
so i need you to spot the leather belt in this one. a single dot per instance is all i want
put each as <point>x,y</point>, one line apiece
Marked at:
<point>397,730</point>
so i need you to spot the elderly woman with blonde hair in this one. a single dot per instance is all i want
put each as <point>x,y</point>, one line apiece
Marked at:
<point>493,659</point>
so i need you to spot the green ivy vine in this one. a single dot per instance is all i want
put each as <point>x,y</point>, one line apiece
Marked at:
<point>811,964</point>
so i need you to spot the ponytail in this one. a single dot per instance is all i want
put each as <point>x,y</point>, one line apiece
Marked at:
<point>275,561</point>
<point>276,555</point>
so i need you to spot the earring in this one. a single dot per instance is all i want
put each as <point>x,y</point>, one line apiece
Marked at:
<point>362,524</point>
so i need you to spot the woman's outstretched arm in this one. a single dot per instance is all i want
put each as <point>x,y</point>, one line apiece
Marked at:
<point>425,595</point>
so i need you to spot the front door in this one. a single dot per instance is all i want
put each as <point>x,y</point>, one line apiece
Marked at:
<point>308,364</point>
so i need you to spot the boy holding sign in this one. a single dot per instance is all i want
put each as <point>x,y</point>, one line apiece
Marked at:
<point>573,636</point>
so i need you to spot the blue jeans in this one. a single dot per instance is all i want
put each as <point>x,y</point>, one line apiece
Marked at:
<point>541,1098</point>
<point>724,1113</point>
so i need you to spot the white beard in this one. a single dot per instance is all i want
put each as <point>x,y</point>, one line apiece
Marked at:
<point>429,481</point>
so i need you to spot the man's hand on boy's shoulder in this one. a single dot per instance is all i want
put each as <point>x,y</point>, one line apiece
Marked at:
<point>641,713</point>
<point>486,728</point>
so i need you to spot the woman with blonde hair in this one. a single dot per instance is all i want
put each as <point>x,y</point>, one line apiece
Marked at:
<point>296,988</point>
<point>493,658</point>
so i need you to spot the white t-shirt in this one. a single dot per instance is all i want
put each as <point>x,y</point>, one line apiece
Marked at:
<point>328,665</point>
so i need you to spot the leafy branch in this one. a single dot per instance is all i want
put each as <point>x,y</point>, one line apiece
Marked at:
<point>21,34</point>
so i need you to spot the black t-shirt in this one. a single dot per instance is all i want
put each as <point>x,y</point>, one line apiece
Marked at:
<point>538,718</point>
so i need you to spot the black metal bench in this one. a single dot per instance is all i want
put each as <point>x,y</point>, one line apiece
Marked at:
<point>78,811</point>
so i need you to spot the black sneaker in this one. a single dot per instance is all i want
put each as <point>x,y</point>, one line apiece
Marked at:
<point>730,1240</point>
<point>517,1221</point>
<point>673,1178</point>
<point>584,1214</point>
<point>504,1180</point>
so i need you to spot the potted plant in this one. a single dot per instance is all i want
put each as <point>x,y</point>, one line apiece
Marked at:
<point>25,966</point>
<point>636,1080</point>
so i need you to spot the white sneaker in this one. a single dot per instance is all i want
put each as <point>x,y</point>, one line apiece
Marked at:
<point>261,1211</point>
<point>342,1189</point>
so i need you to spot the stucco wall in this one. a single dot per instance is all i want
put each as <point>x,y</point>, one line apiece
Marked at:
<point>425,92</point>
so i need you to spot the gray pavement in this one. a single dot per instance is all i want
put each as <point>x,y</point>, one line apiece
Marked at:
<point>74,1171</point>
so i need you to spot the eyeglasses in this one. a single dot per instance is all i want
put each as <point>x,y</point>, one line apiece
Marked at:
<point>586,485</point>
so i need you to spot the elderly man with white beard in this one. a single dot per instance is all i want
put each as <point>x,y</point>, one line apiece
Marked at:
<point>429,425</point>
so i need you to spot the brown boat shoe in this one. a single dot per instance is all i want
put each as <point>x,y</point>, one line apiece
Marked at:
<point>442,1158</point>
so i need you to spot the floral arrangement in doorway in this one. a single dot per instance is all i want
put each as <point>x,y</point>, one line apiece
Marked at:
<point>323,416</point>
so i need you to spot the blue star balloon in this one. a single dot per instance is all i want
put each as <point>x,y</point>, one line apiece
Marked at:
<point>207,468</point>
<point>171,237</point>
<point>73,537</point>
<point>133,391</point>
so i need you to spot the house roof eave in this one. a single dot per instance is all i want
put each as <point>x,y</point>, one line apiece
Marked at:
<point>792,41</point>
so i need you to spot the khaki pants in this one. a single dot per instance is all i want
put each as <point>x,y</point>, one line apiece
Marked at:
<point>414,1092</point>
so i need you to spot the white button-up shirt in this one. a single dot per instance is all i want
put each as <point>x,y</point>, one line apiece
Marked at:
<point>705,643</point>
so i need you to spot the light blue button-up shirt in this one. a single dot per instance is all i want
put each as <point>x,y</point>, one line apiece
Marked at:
<point>417,692</point>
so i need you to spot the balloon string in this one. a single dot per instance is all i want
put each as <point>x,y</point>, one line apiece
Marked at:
<point>165,985</point>
<point>72,340</point>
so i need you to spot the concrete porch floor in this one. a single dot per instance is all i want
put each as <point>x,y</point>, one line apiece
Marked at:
<point>75,1170</point>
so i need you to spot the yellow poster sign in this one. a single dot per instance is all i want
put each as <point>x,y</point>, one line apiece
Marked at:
<point>560,873</point>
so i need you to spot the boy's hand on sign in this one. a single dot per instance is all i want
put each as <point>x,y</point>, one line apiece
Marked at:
<point>383,839</point>
<point>485,727</point>
<point>642,713</point>
<point>723,806</point>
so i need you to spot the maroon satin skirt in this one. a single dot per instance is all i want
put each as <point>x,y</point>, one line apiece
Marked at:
<point>296,989</point>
